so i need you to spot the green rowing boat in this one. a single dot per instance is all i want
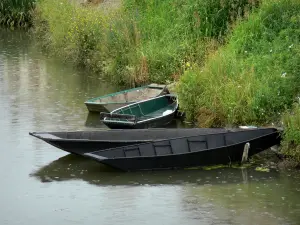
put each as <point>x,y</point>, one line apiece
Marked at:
<point>110,102</point>
<point>154,112</point>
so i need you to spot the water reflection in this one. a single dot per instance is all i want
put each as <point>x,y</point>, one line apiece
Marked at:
<point>76,167</point>
<point>47,91</point>
<point>225,196</point>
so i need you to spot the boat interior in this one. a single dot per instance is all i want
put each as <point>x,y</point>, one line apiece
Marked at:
<point>152,108</point>
<point>131,95</point>
<point>135,134</point>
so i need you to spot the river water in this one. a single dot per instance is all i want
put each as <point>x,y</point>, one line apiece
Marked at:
<point>41,184</point>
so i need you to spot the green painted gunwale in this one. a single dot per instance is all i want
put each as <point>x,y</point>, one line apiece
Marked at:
<point>146,110</point>
<point>92,100</point>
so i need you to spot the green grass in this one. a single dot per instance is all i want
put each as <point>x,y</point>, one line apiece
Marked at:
<point>104,42</point>
<point>253,78</point>
<point>16,13</point>
<point>175,32</point>
<point>143,41</point>
<point>72,32</point>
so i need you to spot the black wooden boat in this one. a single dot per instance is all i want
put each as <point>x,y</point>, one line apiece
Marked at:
<point>189,151</point>
<point>80,142</point>
<point>154,112</point>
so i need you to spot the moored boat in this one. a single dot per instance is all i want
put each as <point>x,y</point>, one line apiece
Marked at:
<point>154,112</point>
<point>189,151</point>
<point>80,142</point>
<point>110,102</point>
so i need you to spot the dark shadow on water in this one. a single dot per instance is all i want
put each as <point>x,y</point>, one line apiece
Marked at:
<point>93,121</point>
<point>72,167</point>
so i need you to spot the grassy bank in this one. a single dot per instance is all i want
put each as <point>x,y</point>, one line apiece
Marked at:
<point>291,142</point>
<point>16,13</point>
<point>253,78</point>
<point>143,40</point>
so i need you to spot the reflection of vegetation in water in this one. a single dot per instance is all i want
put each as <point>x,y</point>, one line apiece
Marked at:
<point>59,85</point>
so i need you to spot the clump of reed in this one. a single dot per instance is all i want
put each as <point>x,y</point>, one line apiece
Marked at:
<point>16,13</point>
<point>143,40</point>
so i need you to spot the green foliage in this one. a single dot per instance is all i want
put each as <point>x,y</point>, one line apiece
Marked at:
<point>73,32</point>
<point>141,42</point>
<point>90,37</point>
<point>16,13</point>
<point>174,32</point>
<point>291,135</point>
<point>255,76</point>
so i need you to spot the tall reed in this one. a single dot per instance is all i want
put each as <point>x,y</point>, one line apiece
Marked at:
<point>16,13</point>
<point>144,41</point>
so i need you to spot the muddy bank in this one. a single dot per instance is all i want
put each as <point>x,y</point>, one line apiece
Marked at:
<point>273,158</point>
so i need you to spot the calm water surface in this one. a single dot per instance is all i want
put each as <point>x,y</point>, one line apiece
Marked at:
<point>44,185</point>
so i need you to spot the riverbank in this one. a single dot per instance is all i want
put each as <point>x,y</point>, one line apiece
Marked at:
<point>137,42</point>
<point>234,64</point>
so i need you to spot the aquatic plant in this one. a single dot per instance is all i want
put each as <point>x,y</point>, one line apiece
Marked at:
<point>16,13</point>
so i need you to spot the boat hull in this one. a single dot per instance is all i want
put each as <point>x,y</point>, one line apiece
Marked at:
<point>82,147</point>
<point>81,142</point>
<point>148,114</point>
<point>180,153</point>
<point>156,122</point>
<point>104,107</point>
